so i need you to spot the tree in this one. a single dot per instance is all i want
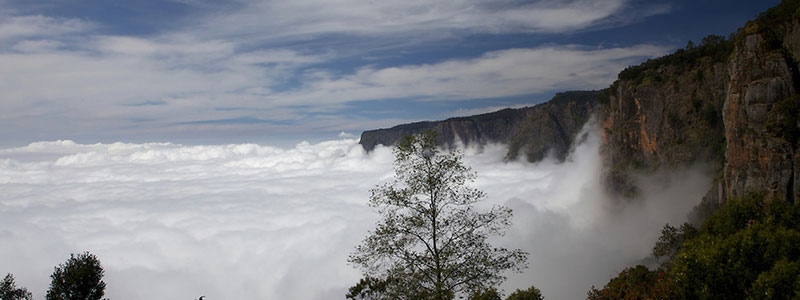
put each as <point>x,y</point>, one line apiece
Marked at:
<point>671,242</point>
<point>80,277</point>
<point>9,290</point>
<point>636,283</point>
<point>749,248</point>
<point>432,241</point>
<point>532,293</point>
<point>489,294</point>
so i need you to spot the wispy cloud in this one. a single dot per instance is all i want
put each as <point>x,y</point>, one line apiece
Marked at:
<point>102,85</point>
<point>494,74</point>
<point>265,20</point>
<point>283,62</point>
<point>38,26</point>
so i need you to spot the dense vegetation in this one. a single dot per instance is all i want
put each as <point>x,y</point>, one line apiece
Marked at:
<point>748,249</point>
<point>771,23</point>
<point>80,277</point>
<point>713,47</point>
<point>10,291</point>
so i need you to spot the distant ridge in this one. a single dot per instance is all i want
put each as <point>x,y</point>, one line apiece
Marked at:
<point>530,131</point>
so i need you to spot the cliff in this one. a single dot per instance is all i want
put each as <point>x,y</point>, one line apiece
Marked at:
<point>729,101</point>
<point>533,132</point>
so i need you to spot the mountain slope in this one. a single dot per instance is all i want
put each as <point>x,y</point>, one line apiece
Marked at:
<point>730,101</point>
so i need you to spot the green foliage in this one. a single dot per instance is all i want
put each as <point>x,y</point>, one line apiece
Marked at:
<point>635,283</point>
<point>769,24</point>
<point>781,282</point>
<point>748,247</point>
<point>10,291</point>
<point>717,48</point>
<point>532,293</point>
<point>710,114</point>
<point>432,243</point>
<point>80,277</point>
<point>488,294</point>
<point>671,242</point>
<point>784,117</point>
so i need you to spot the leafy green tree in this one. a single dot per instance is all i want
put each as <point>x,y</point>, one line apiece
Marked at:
<point>671,242</point>
<point>636,283</point>
<point>368,288</point>
<point>781,282</point>
<point>79,278</point>
<point>532,293</point>
<point>432,241</point>
<point>10,291</point>
<point>488,294</point>
<point>748,249</point>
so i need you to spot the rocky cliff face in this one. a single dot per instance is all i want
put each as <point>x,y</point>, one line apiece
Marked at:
<point>534,132</point>
<point>732,102</point>
<point>665,114</point>
<point>761,98</point>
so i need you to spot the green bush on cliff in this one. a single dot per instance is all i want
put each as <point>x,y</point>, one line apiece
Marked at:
<point>748,249</point>
<point>635,283</point>
<point>717,48</point>
<point>769,24</point>
<point>783,119</point>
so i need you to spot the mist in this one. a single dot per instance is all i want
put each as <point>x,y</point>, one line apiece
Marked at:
<point>246,221</point>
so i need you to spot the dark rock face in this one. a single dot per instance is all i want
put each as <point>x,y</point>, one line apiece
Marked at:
<point>532,131</point>
<point>493,127</point>
<point>760,156</point>
<point>671,119</point>
<point>740,112</point>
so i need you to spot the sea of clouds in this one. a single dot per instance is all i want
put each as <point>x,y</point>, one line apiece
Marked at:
<point>246,221</point>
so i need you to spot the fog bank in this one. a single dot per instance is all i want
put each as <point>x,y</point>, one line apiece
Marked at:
<point>256,222</point>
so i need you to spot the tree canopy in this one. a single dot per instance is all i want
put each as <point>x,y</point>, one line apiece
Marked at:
<point>80,277</point>
<point>432,242</point>
<point>10,291</point>
<point>748,249</point>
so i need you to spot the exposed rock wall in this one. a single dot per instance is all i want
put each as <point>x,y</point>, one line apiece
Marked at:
<point>740,112</point>
<point>760,156</point>
<point>670,119</point>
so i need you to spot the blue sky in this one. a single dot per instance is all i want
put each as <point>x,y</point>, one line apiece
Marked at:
<point>196,71</point>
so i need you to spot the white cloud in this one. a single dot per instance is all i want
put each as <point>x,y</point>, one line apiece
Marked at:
<point>245,221</point>
<point>346,135</point>
<point>38,26</point>
<point>494,74</point>
<point>269,20</point>
<point>273,60</point>
<point>114,81</point>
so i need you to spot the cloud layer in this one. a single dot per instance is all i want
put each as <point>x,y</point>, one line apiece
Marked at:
<point>246,221</point>
<point>288,66</point>
<point>276,19</point>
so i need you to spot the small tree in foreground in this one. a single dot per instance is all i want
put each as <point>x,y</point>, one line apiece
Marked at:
<point>80,277</point>
<point>10,291</point>
<point>432,241</point>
